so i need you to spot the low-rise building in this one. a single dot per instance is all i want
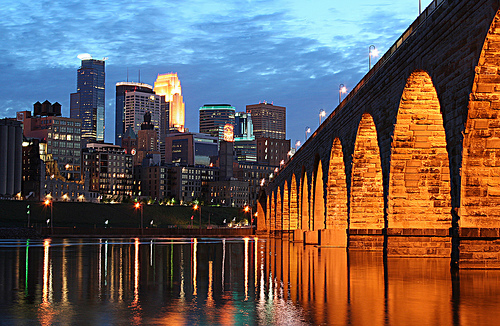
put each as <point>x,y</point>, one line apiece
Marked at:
<point>108,169</point>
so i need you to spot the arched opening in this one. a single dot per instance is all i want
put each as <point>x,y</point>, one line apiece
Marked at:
<point>294,208</point>
<point>279,209</point>
<point>419,191</point>
<point>260,219</point>
<point>304,204</point>
<point>336,199</point>
<point>286,207</point>
<point>367,197</point>
<point>319,199</point>
<point>480,185</point>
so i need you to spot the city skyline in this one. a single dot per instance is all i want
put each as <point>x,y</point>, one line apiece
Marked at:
<point>247,52</point>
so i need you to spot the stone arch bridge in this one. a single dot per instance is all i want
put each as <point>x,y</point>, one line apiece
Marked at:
<point>409,162</point>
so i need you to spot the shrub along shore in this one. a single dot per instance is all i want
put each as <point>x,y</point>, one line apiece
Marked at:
<point>14,214</point>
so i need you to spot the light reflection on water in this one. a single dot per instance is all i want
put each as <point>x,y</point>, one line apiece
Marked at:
<point>250,281</point>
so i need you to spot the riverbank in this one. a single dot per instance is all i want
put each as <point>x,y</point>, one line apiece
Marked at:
<point>14,214</point>
<point>19,233</point>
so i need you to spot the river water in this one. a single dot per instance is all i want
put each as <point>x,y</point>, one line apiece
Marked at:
<point>251,281</point>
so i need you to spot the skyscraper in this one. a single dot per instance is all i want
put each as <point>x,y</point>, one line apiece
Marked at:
<point>213,118</point>
<point>169,85</point>
<point>88,103</point>
<point>137,104</point>
<point>121,89</point>
<point>269,121</point>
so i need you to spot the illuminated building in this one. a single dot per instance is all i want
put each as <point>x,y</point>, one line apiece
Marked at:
<point>243,126</point>
<point>190,148</point>
<point>169,85</point>
<point>88,103</point>
<point>213,118</point>
<point>245,146</point>
<point>272,151</point>
<point>60,138</point>
<point>121,89</point>
<point>269,121</point>
<point>109,169</point>
<point>137,104</point>
<point>230,193</point>
<point>182,183</point>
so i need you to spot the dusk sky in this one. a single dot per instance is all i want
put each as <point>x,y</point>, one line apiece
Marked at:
<point>294,53</point>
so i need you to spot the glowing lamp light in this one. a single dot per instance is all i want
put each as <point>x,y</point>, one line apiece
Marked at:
<point>137,205</point>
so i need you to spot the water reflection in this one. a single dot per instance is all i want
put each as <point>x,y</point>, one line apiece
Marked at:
<point>233,282</point>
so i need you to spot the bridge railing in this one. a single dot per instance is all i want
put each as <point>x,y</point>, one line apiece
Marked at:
<point>380,63</point>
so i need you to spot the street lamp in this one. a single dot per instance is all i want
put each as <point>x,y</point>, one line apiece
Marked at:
<point>308,130</point>
<point>140,207</point>
<point>372,52</point>
<point>419,7</point>
<point>48,202</point>
<point>195,207</point>
<point>297,144</point>
<point>322,114</point>
<point>249,209</point>
<point>342,90</point>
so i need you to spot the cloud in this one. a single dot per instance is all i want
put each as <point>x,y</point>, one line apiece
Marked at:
<point>240,52</point>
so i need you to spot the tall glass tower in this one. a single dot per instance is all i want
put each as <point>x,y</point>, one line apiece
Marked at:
<point>88,103</point>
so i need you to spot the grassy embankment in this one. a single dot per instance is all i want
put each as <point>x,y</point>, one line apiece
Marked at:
<point>72,214</point>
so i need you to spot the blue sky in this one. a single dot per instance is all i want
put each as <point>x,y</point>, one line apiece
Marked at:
<point>294,53</point>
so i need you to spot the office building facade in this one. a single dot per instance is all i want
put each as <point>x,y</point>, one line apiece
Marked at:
<point>190,148</point>
<point>213,118</point>
<point>269,121</point>
<point>137,104</point>
<point>60,141</point>
<point>88,103</point>
<point>108,169</point>
<point>169,85</point>
<point>121,89</point>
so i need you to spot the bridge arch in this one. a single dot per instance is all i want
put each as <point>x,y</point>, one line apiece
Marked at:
<point>286,208</point>
<point>336,199</point>
<point>272,218</point>
<point>294,204</point>
<point>260,220</point>
<point>480,173</point>
<point>279,209</point>
<point>419,186</point>
<point>304,201</point>
<point>318,216</point>
<point>367,196</point>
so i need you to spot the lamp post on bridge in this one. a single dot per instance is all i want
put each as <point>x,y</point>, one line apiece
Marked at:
<point>322,114</point>
<point>308,130</point>
<point>372,52</point>
<point>342,90</point>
